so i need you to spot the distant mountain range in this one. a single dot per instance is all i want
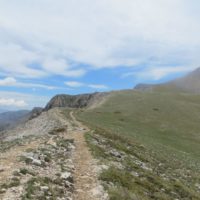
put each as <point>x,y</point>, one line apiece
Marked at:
<point>189,84</point>
<point>12,118</point>
<point>3,110</point>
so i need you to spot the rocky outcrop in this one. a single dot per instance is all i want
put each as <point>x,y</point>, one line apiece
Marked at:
<point>74,101</point>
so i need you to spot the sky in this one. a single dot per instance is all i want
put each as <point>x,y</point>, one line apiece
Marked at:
<point>50,47</point>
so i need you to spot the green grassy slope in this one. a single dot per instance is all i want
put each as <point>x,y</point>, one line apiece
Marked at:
<point>150,141</point>
<point>167,123</point>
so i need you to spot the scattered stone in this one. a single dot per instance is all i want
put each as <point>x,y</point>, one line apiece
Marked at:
<point>44,188</point>
<point>67,176</point>
<point>36,162</point>
<point>115,153</point>
<point>3,190</point>
<point>197,185</point>
<point>135,174</point>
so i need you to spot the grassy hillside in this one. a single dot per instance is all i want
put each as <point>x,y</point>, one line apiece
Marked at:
<point>168,122</point>
<point>167,128</point>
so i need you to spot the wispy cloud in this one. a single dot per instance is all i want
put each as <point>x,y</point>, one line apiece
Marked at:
<point>75,84</point>
<point>44,43</point>
<point>16,100</point>
<point>10,81</point>
<point>161,72</point>
<point>62,39</point>
<point>98,86</point>
<point>157,73</point>
<point>12,102</point>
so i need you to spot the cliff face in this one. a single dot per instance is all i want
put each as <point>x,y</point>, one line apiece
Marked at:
<point>74,101</point>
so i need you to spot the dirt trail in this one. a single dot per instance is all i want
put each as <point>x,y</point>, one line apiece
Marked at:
<point>87,186</point>
<point>86,169</point>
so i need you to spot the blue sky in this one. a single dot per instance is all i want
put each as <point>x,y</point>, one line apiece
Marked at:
<point>49,47</point>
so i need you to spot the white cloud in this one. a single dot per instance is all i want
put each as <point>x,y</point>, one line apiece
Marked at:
<point>157,73</point>
<point>10,81</point>
<point>14,60</point>
<point>98,86</point>
<point>60,35</point>
<point>60,67</point>
<point>27,100</point>
<point>161,72</point>
<point>12,102</point>
<point>76,84</point>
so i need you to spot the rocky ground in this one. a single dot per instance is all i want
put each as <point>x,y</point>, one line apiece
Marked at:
<point>131,172</point>
<point>48,158</point>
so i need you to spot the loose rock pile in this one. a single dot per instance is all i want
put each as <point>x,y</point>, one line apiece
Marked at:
<point>47,172</point>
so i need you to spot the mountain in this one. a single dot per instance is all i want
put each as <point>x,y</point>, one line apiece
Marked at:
<point>145,145</point>
<point>189,83</point>
<point>35,112</point>
<point>144,87</point>
<point>3,110</point>
<point>74,101</point>
<point>11,118</point>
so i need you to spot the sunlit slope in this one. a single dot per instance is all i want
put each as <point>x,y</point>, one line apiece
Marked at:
<point>164,122</point>
<point>189,83</point>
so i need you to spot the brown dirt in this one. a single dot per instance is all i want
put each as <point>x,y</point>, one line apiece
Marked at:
<point>87,186</point>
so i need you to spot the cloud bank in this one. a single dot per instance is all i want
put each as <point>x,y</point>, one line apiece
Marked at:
<point>47,45</point>
<point>42,38</point>
<point>12,102</point>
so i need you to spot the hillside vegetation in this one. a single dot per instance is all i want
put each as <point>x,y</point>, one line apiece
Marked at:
<point>166,127</point>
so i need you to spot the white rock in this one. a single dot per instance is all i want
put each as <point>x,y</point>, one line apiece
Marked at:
<point>36,162</point>
<point>197,185</point>
<point>3,190</point>
<point>99,192</point>
<point>66,175</point>
<point>44,188</point>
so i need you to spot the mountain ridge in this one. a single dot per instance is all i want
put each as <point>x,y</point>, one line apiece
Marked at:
<point>190,83</point>
<point>10,119</point>
<point>74,101</point>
